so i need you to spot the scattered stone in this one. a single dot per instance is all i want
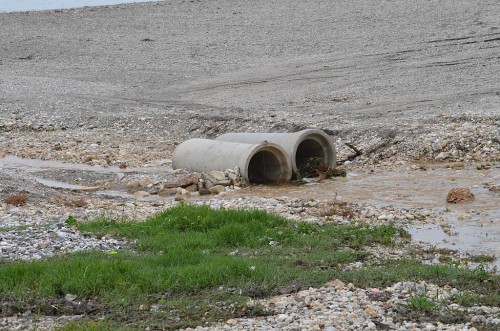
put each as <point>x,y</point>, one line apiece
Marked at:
<point>459,195</point>
<point>166,192</point>
<point>204,191</point>
<point>134,184</point>
<point>179,197</point>
<point>145,182</point>
<point>183,182</point>
<point>493,187</point>
<point>192,188</point>
<point>70,297</point>
<point>217,176</point>
<point>441,156</point>
<point>456,165</point>
<point>217,189</point>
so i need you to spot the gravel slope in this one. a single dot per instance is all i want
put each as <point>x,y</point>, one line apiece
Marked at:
<point>341,66</point>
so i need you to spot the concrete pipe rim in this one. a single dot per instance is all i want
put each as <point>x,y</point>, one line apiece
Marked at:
<point>303,151</point>
<point>268,164</point>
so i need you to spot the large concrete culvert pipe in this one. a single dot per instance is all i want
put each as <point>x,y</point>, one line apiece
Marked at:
<point>258,163</point>
<point>300,146</point>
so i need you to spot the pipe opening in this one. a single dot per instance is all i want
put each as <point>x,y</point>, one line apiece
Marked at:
<point>310,155</point>
<point>266,167</point>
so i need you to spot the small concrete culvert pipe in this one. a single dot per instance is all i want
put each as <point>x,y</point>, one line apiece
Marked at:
<point>300,146</point>
<point>258,163</point>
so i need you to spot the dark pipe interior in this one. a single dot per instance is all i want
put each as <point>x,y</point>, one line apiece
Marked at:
<point>308,149</point>
<point>264,168</point>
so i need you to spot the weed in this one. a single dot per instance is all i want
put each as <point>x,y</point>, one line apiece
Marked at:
<point>340,208</point>
<point>422,304</point>
<point>437,250</point>
<point>14,228</point>
<point>446,259</point>
<point>27,57</point>
<point>315,166</point>
<point>485,285</point>
<point>482,258</point>
<point>463,300</point>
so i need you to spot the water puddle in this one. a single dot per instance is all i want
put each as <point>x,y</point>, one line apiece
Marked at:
<point>473,227</point>
<point>399,188</point>
<point>25,5</point>
<point>124,195</point>
<point>63,185</point>
<point>466,236</point>
<point>35,165</point>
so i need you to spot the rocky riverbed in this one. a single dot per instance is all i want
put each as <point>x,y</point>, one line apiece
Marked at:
<point>94,100</point>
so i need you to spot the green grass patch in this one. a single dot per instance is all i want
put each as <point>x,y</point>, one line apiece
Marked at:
<point>188,251</point>
<point>190,265</point>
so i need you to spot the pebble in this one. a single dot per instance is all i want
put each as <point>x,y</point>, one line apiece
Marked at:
<point>325,308</point>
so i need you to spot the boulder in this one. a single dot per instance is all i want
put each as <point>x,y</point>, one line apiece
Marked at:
<point>166,192</point>
<point>183,182</point>
<point>459,195</point>
<point>217,189</point>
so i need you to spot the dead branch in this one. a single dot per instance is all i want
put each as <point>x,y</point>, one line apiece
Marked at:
<point>357,152</point>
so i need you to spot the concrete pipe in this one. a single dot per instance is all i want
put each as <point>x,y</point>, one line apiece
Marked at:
<point>258,163</point>
<point>300,146</point>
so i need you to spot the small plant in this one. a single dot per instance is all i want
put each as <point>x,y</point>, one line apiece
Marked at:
<point>16,199</point>
<point>71,220</point>
<point>340,208</point>
<point>421,303</point>
<point>463,300</point>
<point>482,258</point>
<point>446,259</point>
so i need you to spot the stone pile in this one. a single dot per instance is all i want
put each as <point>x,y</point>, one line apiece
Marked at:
<point>189,185</point>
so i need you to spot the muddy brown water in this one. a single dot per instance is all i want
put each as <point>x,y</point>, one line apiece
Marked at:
<point>474,226</point>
